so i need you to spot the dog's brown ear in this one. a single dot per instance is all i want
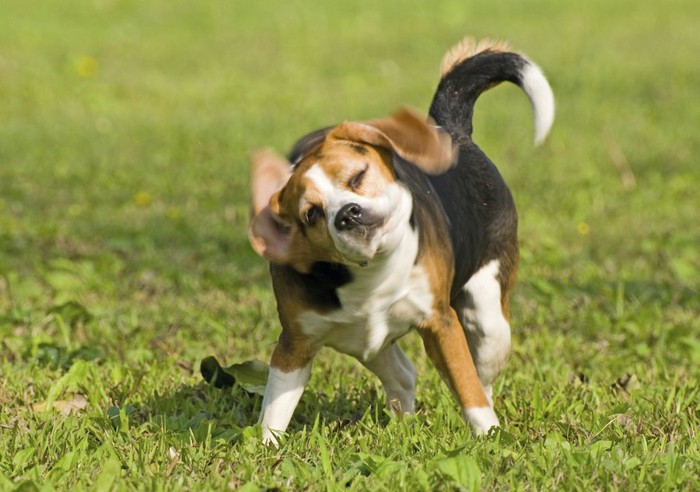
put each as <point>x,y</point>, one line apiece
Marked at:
<point>270,172</point>
<point>268,234</point>
<point>409,134</point>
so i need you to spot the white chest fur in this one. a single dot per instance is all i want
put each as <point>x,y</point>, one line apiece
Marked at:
<point>383,302</point>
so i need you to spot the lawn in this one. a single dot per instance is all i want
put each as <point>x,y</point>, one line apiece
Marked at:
<point>124,133</point>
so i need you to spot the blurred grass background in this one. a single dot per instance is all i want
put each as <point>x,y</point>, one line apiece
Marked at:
<point>124,133</point>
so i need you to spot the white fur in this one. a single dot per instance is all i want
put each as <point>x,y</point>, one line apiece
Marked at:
<point>383,302</point>
<point>394,203</point>
<point>282,393</point>
<point>535,85</point>
<point>487,329</point>
<point>481,419</point>
<point>386,298</point>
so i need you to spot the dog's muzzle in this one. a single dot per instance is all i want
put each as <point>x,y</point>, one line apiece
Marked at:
<point>352,216</point>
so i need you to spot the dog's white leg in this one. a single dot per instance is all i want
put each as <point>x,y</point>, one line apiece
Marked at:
<point>282,393</point>
<point>398,377</point>
<point>487,329</point>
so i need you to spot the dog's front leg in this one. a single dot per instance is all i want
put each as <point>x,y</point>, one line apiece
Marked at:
<point>446,344</point>
<point>290,369</point>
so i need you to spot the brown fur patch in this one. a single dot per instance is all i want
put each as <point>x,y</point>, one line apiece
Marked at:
<point>410,134</point>
<point>292,352</point>
<point>443,336</point>
<point>341,162</point>
<point>467,48</point>
<point>446,345</point>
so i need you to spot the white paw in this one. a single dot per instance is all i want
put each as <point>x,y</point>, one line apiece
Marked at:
<point>270,437</point>
<point>481,419</point>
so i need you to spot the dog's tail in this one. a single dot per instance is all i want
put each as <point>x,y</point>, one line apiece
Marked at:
<point>471,68</point>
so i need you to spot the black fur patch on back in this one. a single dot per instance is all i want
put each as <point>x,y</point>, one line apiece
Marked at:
<point>468,208</point>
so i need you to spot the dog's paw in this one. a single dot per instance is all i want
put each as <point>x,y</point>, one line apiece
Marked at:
<point>271,438</point>
<point>481,419</point>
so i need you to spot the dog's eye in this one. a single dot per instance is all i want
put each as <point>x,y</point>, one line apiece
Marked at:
<point>313,214</point>
<point>356,180</point>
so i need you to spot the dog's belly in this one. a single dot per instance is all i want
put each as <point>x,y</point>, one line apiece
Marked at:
<point>364,329</point>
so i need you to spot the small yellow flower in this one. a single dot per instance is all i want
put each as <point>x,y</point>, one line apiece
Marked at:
<point>583,228</point>
<point>86,66</point>
<point>142,199</point>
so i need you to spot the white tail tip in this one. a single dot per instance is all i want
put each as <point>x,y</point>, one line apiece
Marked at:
<point>535,85</point>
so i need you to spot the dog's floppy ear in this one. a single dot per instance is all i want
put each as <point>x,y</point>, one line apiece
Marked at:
<point>407,133</point>
<point>270,237</point>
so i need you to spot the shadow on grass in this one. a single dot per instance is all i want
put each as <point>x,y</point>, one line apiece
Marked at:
<point>199,413</point>
<point>204,413</point>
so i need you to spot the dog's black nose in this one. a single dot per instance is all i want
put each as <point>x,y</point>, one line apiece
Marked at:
<point>348,217</point>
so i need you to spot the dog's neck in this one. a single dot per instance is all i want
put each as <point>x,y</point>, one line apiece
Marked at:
<point>383,279</point>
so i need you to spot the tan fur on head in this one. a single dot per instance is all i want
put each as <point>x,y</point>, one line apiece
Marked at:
<point>467,48</point>
<point>280,229</point>
<point>408,133</point>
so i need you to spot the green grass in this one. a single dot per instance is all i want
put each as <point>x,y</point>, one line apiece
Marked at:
<point>124,130</point>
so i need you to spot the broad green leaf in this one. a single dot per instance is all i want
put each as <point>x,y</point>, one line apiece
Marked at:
<point>251,375</point>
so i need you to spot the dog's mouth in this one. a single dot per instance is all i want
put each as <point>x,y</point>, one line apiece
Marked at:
<point>366,230</point>
<point>358,233</point>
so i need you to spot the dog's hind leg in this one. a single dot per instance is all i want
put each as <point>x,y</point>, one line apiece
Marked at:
<point>446,346</point>
<point>397,375</point>
<point>484,316</point>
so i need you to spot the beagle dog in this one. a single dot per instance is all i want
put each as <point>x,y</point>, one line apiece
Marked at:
<point>375,228</point>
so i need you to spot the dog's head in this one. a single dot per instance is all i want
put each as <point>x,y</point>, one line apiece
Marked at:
<point>342,202</point>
